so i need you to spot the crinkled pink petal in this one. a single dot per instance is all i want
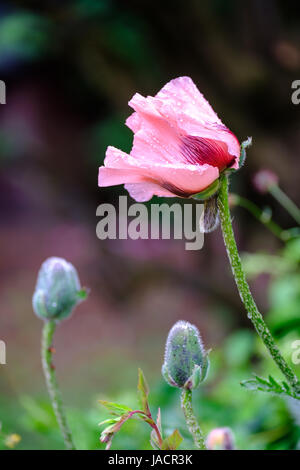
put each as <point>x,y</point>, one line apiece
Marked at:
<point>144,192</point>
<point>155,138</point>
<point>133,122</point>
<point>181,99</point>
<point>159,145</point>
<point>186,110</point>
<point>180,145</point>
<point>119,168</point>
<point>113,176</point>
<point>180,179</point>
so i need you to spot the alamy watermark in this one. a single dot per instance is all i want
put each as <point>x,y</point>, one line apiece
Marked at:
<point>296,94</point>
<point>296,353</point>
<point>153,221</point>
<point>2,352</point>
<point>2,92</point>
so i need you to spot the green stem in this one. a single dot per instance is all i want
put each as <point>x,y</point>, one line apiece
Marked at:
<point>52,385</point>
<point>243,287</point>
<point>192,424</point>
<point>286,202</point>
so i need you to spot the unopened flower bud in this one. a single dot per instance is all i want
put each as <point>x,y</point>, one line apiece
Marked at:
<point>186,362</point>
<point>57,290</point>
<point>263,180</point>
<point>220,439</point>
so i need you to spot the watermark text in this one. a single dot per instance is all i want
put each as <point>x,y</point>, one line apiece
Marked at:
<point>2,352</point>
<point>154,221</point>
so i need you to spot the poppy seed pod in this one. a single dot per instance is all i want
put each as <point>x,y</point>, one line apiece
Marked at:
<point>57,290</point>
<point>186,362</point>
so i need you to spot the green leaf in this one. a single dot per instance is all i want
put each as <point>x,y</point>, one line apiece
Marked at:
<point>117,425</point>
<point>173,441</point>
<point>154,440</point>
<point>153,437</point>
<point>143,392</point>
<point>269,386</point>
<point>108,433</point>
<point>115,408</point>
<point>108,421</point>
<point>285,385</point>
<point>273,382</point>
<point>261,380</point>
<point>158,421</point>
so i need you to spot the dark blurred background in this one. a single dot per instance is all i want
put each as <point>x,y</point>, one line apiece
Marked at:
<point>70,67</point>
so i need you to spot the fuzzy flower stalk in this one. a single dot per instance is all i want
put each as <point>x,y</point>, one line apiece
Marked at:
<point>240,278</point>
<point>185,366</point>
<point>56,294</point>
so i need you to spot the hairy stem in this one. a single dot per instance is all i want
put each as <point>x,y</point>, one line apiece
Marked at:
<point>244,290</point>
<point>52,385</point>
<point>191,421</point>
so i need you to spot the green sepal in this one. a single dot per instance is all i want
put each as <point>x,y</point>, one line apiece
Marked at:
<point>205,365</point>
<point>199,374</point>
<point>229,171</point>
<point>208,192</point>
<point>166,376</point>
<point>244,146</point>
<point>194,380</point>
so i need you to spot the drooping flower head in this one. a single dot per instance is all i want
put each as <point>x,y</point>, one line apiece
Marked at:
<point>180,146</point>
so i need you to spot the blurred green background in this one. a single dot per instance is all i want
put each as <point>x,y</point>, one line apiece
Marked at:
<point>70,68</point>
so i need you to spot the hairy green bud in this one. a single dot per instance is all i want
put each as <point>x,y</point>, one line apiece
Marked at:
<point>57,290</point>
<point>186,362</point>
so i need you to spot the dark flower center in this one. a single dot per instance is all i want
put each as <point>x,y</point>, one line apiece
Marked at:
<point>199,150</point>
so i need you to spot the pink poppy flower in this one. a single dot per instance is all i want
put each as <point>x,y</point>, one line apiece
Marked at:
<point>180,146</point>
